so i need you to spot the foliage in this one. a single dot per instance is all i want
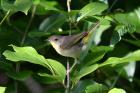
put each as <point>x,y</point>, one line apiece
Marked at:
<point>106,66</point>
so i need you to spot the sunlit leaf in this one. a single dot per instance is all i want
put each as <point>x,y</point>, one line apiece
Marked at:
<point>2,89</point>
<point>96,53</point>
<point>104,25</point>
<point>131,18</point>
<point>16,5</point>
<point>130,70</point>
<point>95,88</point>
<point>36,2</point>
<point>117,90</point>
<point>85,71</point>
<point>92,9</point>
<point>53,22</point>
<point>88,86</point>
<point>29,54</point>
<point>131,57</point>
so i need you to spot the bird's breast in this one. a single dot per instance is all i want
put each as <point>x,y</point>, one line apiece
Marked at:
<point>73,52</point>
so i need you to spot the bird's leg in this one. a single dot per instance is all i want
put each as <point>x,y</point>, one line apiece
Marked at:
<point>73,65</point>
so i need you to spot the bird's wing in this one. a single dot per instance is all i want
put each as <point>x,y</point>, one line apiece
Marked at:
<point>74,39</point>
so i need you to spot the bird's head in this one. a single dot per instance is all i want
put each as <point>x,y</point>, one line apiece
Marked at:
<point>55,40</point>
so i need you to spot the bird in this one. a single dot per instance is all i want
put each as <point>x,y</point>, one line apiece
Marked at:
<point>70,45</point>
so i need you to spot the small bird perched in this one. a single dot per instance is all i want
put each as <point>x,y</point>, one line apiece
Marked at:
<point>72,45</point>
<point>68,46</point>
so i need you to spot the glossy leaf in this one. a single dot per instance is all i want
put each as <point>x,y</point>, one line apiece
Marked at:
<point>95,88</point>
<point>96,53</point>
<point>130,70</point>
<point>115,38</point>
<point>85,71</point>
<point>48,79</point>
<point>104,25</point>
<point>17,5</point>
<point>88,41</point>
<point>120,30</point>
<point>91,9</point>
<point>36,2</point>
<point>131,57</point>
<point>38,34</point>
<point>131,18</point>
<point>30,54</point>
<point>117,90</point>
<point>2,89</point>
<point>88,86</point>
<point>53,22</point>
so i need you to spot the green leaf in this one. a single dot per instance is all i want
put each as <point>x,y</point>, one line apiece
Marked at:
<point>2,89</point>
<point>130,70</point>
<point>36,2</point>
<point>58,69</point>
<point>73,15</point>
<point>95,88</point>
<point>95,33</point>
<point>43,6</point>
<point>16,5</point>
<point>49,5</point>
<point>10,88</point>
<point>131,18</point>
<point>29,54</point>
<point>104,25</point>
<point>89,42</point>
<point>115,38</point>
<point>38,34</point>
<point>88,86</point>
<point>120,30</point>
<point>47,79</point>
<point>117,90</point>
<point>123,29</point>
<point>131,57</point>
<point>92,9</point>
<point>96,53</point>
<point>85,71</point>
<point>53,22</point>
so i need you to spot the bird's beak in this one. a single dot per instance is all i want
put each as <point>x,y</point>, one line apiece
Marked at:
<point>48,40</point>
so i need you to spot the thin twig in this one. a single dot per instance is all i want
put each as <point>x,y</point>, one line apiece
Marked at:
<point>116,79</point>
<point>28,26</point>
<point>73,65</point>
<point>7,14</point>
<point>68,66</point>
<point>111,6</point>
<point>69,10</point>
<point>68,5</point>
<point>68,78</point>
<point>133,36</point>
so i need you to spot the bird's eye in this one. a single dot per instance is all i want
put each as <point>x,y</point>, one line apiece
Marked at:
<point>55,39</point>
